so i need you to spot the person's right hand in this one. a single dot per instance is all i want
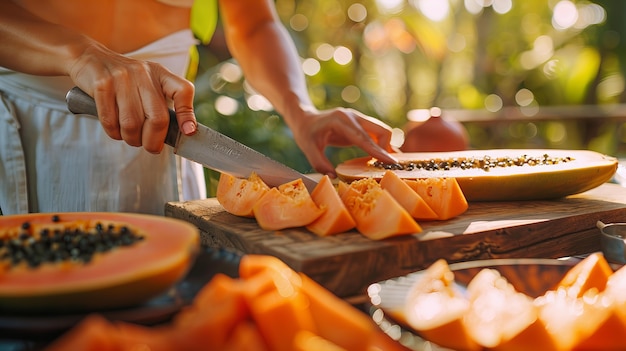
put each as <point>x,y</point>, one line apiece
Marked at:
<point>132,96</point>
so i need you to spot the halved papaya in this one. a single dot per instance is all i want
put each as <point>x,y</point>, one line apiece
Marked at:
<point>407,197</point>
<point>498,175</point>
<point>376,213</point>
<point>90,261</point>
<point>238,195</point>
<point>336,218</point>
<point>443,196</point>
<point>287,206</point>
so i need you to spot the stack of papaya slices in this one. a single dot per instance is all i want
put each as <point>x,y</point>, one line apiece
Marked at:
<point>376,209</point>
<point>269,307</point>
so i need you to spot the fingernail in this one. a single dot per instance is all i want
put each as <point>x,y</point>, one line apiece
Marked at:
<point>189,127</point>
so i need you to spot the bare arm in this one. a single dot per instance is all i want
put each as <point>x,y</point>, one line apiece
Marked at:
<point>129,94</point>
<point>271,64</point>
<point>33,46</point>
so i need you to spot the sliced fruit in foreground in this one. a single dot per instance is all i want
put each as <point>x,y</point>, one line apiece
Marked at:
<point>307,341</point>
<point>593,272</point>
<point>581,323</point>
<point>435,308</point>
<point>500,318</point>
<point>443,196</point>
<point>233,314</point>
<point>491,175</point>
<point>376,213</point>
<point>91,261</point>
<point>287,206</point>
<point>336,218</point>
<point>336,320</point>
<point>407,197</point>
<point>238,195</point>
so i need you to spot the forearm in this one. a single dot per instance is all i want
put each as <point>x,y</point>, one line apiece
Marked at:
<point>34,46</point>
<point>272,66</point>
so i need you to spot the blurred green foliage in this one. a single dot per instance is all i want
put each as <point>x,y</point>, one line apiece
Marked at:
<point>387,57</point>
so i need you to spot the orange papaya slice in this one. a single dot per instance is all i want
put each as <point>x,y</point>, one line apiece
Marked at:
<point>336,218</point>
<point>238,195</point>
<point>92,333</point>
<point>501,318</point>
<point>376,213</point>
<point>216,311</point>
<point>443,196</point>
<point>436,309</point>
<point>593,272</point>
<point>336,320</point>
<point>291,310</point>
<point>342,187</point>
<point>600,326</point>
<point>246,337</point>
<point>308,341</point>
<point>287,206</point>
<point>409,199</point>
<point>90,261</point>
<point>564,317</point>
<point>613,298</point>
<point>132,336</point>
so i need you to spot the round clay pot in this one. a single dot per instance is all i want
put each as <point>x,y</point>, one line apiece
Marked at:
<point>436,133</point>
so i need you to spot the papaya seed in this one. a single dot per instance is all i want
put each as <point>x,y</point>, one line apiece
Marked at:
<point>77,244</point>
<point>485,163</point>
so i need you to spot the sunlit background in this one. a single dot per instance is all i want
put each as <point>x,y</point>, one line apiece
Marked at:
<point>516,73</point>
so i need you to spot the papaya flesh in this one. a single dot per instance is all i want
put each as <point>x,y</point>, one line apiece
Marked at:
<point>238,195</point>
<point>541,173</point>
<point>121,276</point>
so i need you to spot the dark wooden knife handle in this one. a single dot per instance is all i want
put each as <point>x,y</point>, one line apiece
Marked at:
<point>79,102</point>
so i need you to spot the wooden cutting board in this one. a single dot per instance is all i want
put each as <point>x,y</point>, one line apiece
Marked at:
<point>348,263</point>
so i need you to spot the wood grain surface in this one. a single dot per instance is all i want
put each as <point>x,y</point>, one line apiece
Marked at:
<point>348,263</point>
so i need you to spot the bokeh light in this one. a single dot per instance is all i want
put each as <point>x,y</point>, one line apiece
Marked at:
<point>435,10</point>
<point>357,12</point>
<point>342,55</point>
<point>565,15</point>
<point>325,52</point>
<point>311,66</point>
<point>225,105</point>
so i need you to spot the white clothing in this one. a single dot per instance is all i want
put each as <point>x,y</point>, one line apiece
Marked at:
<point>54,161</point>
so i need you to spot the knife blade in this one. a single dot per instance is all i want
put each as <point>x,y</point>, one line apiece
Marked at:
<point>209,147</point>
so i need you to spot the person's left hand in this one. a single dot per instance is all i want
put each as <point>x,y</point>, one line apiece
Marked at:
<point>340,127</point>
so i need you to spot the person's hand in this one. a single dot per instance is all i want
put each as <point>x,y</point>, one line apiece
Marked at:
<point>131,96</point>
<point>341,127</point>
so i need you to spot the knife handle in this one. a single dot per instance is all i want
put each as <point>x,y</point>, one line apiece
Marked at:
<point>79,102</point>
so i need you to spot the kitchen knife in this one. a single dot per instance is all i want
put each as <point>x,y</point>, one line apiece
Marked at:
<point>208,147</point>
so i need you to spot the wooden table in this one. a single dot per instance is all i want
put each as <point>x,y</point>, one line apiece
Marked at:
<point>347,263</point>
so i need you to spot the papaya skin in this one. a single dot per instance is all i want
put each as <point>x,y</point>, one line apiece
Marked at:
<point>586,171</point>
